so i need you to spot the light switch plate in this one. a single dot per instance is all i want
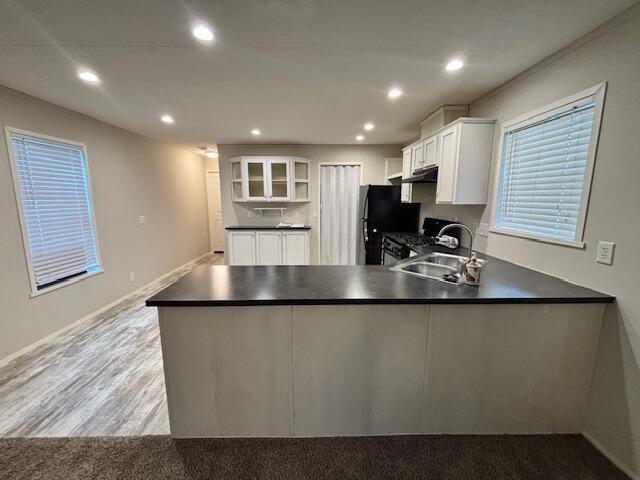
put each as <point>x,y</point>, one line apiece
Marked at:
<point>483,230</point>
<point>142,219</point>
<point>605,252</point>
<point>132,276</point>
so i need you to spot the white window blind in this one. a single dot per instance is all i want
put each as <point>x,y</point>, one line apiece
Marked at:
<point>57,215</point>
<point>546,172</point>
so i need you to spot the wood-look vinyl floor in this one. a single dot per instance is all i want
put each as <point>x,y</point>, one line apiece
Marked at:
<point>103,377</point>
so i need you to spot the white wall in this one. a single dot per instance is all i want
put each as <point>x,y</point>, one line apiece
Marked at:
<point>130,175</point>
<point>613,55</point>
<point>234,213</point>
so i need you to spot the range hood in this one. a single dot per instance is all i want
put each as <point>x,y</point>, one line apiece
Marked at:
<point>424,175</point>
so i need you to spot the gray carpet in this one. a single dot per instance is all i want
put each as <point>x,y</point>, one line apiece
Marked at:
<point>434,457</point>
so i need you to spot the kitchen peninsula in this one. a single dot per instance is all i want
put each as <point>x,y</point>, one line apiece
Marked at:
<point>362,350</point>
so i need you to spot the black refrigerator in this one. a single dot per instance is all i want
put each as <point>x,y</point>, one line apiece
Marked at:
<point>381,210</point>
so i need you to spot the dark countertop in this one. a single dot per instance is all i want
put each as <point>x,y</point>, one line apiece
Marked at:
<point>247,227</point>
<point>502,282</point>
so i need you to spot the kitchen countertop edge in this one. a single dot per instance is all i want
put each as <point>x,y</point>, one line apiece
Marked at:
<point>380,301</point>
<point>241,227</point>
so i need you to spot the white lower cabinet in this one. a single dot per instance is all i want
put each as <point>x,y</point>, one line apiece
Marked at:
<point>295,248</point>
<point>242,247</point>
<point>268,247</point>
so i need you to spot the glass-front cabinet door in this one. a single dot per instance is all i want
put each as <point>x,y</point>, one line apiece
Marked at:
<point>278,181</point>
<point>261,179</point>
<point>237,193</point>
<point>300,180</point>
<point>255,174</point>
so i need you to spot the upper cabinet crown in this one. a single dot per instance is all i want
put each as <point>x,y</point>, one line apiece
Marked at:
<point>269,179</point>
<point>462,152</point>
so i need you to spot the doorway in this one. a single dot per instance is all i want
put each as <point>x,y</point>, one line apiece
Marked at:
<point>214,203</point>
<point>339,194</point>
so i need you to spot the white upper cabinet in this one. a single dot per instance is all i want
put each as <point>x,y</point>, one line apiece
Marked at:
<point>417,156</point>
<point>462,152</point>
<point>255,179</point>
<point>406,188</point>
<point>463,158</point>
<point>269,179</point>
<point>237,185</point>
<point>447,165</point>
<point>278,183</point>
<point>430,156</point>
<point>301,174</point>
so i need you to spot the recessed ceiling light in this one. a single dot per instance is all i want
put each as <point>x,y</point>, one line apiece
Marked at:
<point>369,126</point>
<point>202,32</point>
<point>88,76</point>
<point>211,153</point>
<point>359,138</point>
<point>394,93</point>
<point>455,64</point>
<point>167,119</point>
<point>255,132</point>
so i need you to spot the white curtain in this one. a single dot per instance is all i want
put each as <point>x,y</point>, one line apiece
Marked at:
<point>339,218</point>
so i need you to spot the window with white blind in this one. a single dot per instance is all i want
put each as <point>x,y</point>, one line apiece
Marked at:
<point>56,212</point>
<point>547,165</point>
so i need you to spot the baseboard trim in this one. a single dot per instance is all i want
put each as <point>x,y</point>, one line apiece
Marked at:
<point>101,310</point>
<point>612,458</point>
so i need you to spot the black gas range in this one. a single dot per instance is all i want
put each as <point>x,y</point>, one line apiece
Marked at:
<point>399,245</point>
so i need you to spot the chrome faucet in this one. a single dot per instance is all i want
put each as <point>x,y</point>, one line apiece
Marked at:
<point>464,227</point>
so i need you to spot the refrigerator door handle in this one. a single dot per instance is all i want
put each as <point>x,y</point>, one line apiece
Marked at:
<point>365,238</point>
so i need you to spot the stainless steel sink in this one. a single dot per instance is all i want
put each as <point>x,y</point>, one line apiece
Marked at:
<point>435,266</point>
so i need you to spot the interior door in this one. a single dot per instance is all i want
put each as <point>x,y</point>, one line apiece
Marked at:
<point>278,180</point>
<point>214,203</point>
<point>447,157</point>
<point>339,215</point>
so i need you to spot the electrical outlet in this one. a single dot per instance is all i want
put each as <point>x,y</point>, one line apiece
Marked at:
<point>142,219</point>
<point>483,230</point>
<point>605,252</point>
<point>132,276</point>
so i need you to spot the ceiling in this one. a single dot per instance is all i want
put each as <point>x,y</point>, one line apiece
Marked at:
<point>301,71</point>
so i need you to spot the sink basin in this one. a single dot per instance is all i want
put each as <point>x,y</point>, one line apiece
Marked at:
<point>431,270</point>
<point>435,266</point>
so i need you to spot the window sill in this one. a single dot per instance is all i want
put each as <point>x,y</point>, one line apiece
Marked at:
<point>71,281</point>
<point>555,241</point>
